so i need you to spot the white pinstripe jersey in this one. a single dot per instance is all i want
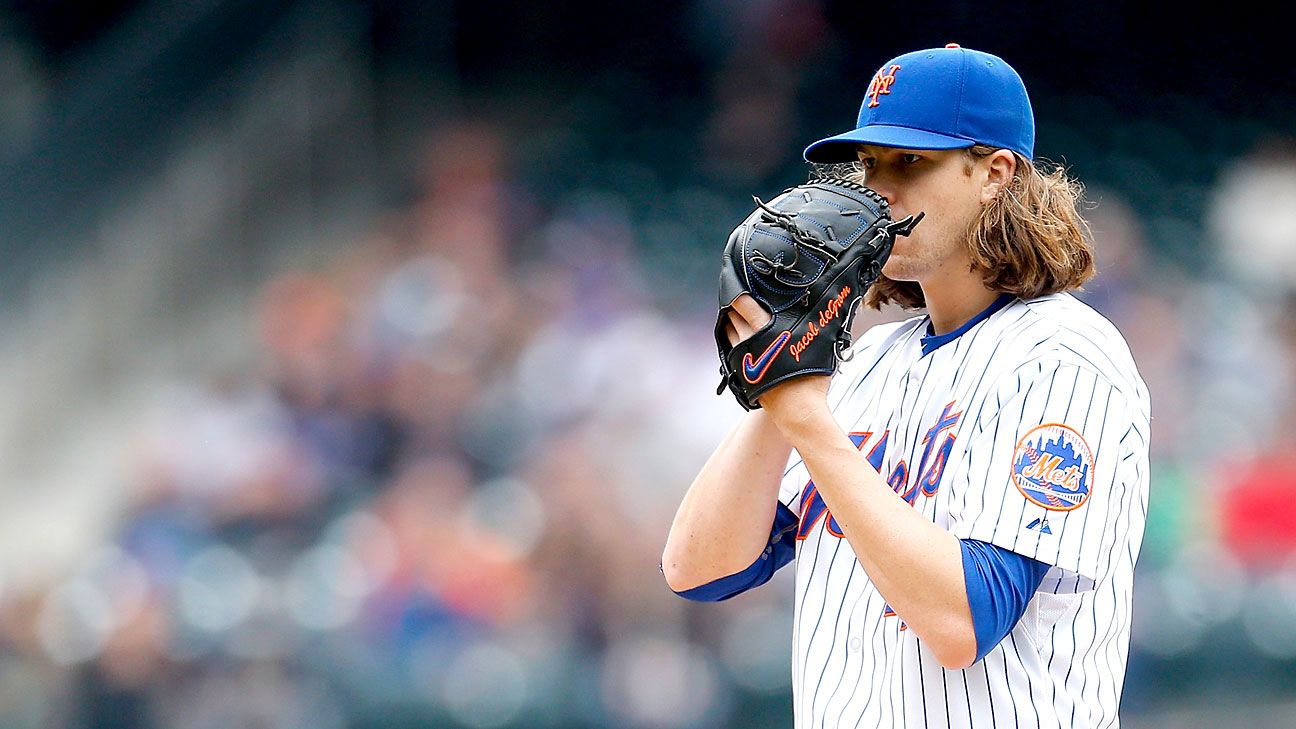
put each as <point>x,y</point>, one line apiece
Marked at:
<point>1030,431</point>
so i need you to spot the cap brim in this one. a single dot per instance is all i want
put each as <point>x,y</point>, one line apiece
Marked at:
<point>842,148</point>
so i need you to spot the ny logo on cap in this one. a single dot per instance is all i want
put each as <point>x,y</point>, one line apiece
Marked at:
<point>881,84</point>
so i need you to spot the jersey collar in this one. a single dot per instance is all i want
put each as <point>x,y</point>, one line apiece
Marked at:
<point>932,342</point>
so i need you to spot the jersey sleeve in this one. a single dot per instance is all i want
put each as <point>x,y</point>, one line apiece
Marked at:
<point>1052,472</point>
<point>779,550</point>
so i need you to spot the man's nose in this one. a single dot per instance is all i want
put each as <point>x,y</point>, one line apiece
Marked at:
<point>882,186</point>
<point>884,189</point>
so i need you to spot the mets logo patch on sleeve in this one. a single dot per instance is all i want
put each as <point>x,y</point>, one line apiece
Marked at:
<point>1053,467</point>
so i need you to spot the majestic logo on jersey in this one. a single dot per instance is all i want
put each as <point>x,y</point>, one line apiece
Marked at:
<point>754,370</point>
<point>881,84</point>
<point>931,467</point>
<point>1053,467</point>
<point>830,311</point>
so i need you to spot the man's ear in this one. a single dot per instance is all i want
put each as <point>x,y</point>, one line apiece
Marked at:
<point>1001,166</point>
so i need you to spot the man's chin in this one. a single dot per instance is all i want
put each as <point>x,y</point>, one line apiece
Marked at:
<point>897,269</point>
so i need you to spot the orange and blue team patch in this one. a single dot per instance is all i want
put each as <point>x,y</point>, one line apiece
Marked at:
<point>1052,467</point>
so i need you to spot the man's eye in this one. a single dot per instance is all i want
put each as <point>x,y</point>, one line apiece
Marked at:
<point>911,158</point>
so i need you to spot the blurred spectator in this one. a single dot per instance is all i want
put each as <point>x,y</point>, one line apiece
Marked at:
<point>1252,216</point>
<point>1257,498</point>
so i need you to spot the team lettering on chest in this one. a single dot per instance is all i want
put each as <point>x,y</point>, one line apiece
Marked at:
<point>931,466</point>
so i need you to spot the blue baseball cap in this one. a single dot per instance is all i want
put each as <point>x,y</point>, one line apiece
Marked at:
<point>940,98</point>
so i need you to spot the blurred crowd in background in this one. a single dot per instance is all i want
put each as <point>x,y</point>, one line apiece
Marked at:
<point>432,484</point>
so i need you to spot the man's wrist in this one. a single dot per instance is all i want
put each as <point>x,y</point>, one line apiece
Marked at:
<point>799,416</point>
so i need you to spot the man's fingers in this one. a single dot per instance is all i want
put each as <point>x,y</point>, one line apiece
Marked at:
<point>752,312</point>
<point>731,333</point>
<point>742,329</point>
<point>744,317</point>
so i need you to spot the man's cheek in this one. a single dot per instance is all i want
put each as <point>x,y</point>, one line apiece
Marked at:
<point>906,244</point>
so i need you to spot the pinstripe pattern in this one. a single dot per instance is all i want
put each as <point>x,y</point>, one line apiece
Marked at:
<point>1048,360</point>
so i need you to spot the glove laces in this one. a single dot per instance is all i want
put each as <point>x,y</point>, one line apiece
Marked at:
<point>801,238</point>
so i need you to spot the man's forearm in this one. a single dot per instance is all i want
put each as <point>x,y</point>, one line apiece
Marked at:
<point>723,523</point>
<point>916,565</point>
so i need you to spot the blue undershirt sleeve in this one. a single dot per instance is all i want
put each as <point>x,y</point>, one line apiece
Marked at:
<point>780,550</point>
<point>999,584</point>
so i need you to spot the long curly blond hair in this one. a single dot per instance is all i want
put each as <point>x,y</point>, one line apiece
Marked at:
<point>1029,241</point>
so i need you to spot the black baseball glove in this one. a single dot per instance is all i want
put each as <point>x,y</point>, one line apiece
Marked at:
<point>807,256</point>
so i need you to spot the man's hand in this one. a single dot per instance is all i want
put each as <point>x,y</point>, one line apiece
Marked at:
<point>807,258</point>
<point>745,317</point>
<point>789,402</point>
